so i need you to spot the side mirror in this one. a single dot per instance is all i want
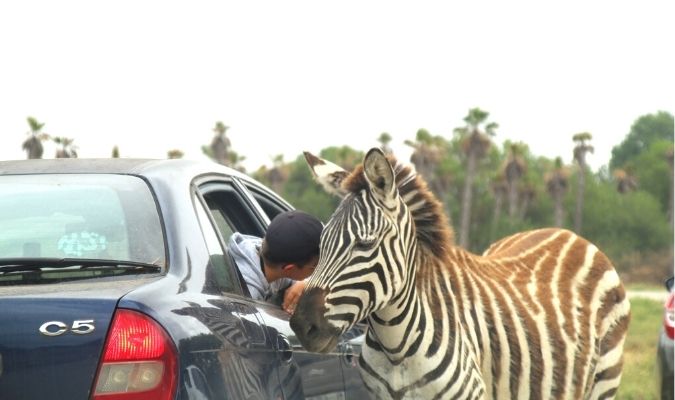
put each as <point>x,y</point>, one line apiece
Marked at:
<point>669,284</point>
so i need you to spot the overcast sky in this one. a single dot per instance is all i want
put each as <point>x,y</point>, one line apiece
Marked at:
<point>288,76</point>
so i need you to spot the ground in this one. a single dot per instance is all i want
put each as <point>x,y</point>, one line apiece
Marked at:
<point>639,373</point>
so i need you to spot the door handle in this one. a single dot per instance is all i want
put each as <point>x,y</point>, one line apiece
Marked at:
<point>285,349</point>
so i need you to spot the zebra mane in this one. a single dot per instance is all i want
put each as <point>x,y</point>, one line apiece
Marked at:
<point>433,229</point>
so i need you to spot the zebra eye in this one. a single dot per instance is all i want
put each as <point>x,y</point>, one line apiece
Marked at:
<point>365,243</point>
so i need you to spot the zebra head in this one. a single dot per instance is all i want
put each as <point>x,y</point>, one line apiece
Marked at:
<point>365,247</point>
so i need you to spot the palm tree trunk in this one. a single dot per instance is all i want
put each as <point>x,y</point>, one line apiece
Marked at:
<point>33,147</point>
<point>580,198</point>
<point>524,205</point>
<point>558,210</point>
<point>496,214</point>
<point>513,199</point>
<point>465,218</point>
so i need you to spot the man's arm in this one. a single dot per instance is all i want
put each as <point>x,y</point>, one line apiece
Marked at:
<point>292,296</point>
<point>243,251</point>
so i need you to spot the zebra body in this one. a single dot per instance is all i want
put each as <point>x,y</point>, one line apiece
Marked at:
<point>541,314</point>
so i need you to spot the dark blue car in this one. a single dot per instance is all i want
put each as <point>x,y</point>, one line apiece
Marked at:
<point>115,283</point>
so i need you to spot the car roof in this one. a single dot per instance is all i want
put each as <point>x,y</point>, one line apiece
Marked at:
<point>155,170</point>
<point>130,166</point>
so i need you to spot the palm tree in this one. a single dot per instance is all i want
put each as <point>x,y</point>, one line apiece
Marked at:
<point>499,190</point>
<point>174,154</point>
<point>427,155</point>
<point>556,185</point>
<point>384,139</point>
<point>67,149</point>
<point>220,145</point>
<point>33,144</point>
<point>625,180</point>
<point>581,148</point>
<point>514,169</point>
<point>526,193</point>
<point>278,174</point>
<point>235,161</point>
<point>475,144</point>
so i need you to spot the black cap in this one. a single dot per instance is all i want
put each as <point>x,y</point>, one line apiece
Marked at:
<point>293,236</point>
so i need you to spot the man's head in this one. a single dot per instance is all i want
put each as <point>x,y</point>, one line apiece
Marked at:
<point>291,244</point>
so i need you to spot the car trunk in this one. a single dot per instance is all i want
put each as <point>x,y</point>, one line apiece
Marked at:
<point>48,348</point>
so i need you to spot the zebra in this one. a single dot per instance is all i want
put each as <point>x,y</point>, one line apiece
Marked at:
<point>541,314</point>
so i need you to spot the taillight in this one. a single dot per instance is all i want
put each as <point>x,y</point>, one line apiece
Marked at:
<point>139,360</point>
<point>669,319</point>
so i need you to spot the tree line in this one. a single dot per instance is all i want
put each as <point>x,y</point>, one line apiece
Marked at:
<point>488,191</point>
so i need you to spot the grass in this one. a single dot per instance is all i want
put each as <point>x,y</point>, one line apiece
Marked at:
<point>639,370</point>
<point>648,287</point>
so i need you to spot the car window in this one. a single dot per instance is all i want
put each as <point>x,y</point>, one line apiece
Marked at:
<point>270,204</point>
<point>221,270</point>
<point>59,227</point>
<point>230,212</point>
<point>223,224</point>
<point>88,216</point>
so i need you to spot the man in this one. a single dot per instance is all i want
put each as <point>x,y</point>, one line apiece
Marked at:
<point>282,259</point>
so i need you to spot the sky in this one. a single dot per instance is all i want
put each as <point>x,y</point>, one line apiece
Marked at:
<point>289,76</point>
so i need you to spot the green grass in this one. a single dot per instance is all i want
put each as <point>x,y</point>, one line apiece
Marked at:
<point>639,369</point>
<point>646,287</point>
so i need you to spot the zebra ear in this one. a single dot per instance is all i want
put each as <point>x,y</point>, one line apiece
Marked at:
<point>329,175</point>
<point>379,173</point>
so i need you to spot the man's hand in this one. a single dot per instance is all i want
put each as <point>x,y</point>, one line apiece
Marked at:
<point>292,296</point>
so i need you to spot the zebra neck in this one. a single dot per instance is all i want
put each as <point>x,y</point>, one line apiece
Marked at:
<point>391,327</point>
<point>426,308</point>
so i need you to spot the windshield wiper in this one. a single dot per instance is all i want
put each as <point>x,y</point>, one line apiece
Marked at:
<point>37,264</point>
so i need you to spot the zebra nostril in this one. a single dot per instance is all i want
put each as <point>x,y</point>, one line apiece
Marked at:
<point>312,330</point>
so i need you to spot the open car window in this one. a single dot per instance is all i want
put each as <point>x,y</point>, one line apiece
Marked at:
<point>229,211</point>
<point>236,206</point>
<point>269,203</point>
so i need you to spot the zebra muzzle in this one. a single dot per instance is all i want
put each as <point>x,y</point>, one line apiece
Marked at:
<point>310,324</point>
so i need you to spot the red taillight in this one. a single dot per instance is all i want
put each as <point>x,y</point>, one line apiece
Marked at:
<point>139,360</point>
<point>669,319</point>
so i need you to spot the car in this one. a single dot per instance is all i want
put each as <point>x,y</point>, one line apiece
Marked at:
<point>116,283</point>
<point>664,352</point>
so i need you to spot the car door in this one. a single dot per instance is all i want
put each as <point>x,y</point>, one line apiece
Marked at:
<point>246,363</point>
<point>350,349</point>
<point>349,346</point>
<point>300,374</point>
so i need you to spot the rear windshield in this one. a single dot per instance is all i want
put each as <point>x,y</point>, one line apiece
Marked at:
<point>87,216</point>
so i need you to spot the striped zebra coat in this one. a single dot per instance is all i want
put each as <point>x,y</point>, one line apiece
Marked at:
<point>540,315</point>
